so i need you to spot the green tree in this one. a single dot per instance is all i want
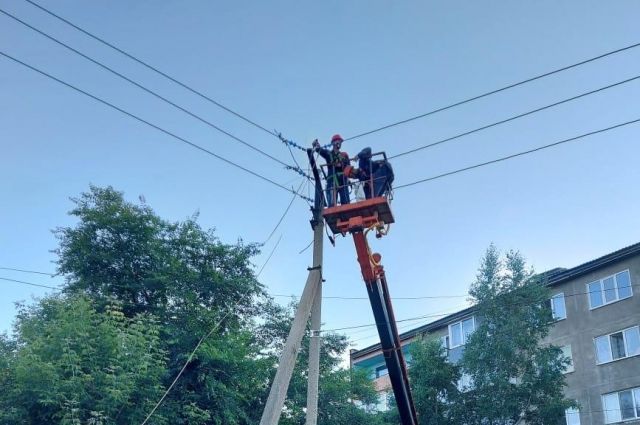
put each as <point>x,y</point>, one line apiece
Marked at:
<point>71,364</point>
<point>140,294</point>
<point>515,374</point>
<point>191,282</point>
<point>433,382</point>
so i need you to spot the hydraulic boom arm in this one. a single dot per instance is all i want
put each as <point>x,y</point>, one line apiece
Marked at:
<point>378,291</point>
<point>357,219</point>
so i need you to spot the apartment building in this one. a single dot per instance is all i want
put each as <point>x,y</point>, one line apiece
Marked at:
<point>597,310</point>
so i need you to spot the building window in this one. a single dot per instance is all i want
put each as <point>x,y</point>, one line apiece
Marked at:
<point>459,332</point>
<point>558,309</point>
<point>383,402</point>
<point>621,406</point>
<point>618,345</point>
<point>465,383</point>
<point>610,289</point>
<point>566,352</point>
<point>381,371</point>
<point>572,416</point>
<point>444,342</point>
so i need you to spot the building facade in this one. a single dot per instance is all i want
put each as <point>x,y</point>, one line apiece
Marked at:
<point>596,307</point>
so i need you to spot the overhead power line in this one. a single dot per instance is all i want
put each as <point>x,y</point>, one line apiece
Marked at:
<point>148,123</point>
<point>284,214</point>
<point>164,74</point>
<point>30,283</point>
<point>154,69</point>
<point>325,297</point>
<point>402,328</point>
<point>504,158</point>
<point>515,117</point>
<point>492,92</point>
<point>147,90</point>
<point>270,255</point>
<point>409,319</point>
<point>195,349</point>
<point>435,297</point>
<point>366,325</point>
<point>27,271</point>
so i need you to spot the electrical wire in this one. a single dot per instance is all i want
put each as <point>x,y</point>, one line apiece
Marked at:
<point>306,247</point>
<point>272,295</point>
<point>193,352</point>
<point>148,123</point>
<point>30,283</point>
<point>269,257</point>
<point>404,325</point>
<point>437,297</point>
<point>504,158</point>
<point>368,325</point>
<point>284,214</point>
<point>152,68</point>
<point>147,90</point>
<point>575,294</point>
<point>163,74</point>
<point>492,92</point>
<point>293,157</point>
<point>515,117</point>
<point>434,297</point>
<point>27,271</point>
<point>407,321</point>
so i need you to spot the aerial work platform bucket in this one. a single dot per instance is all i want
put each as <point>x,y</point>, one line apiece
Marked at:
<point>358,215</point>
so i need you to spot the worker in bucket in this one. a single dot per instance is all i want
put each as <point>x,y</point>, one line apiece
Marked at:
<point>337,161</point>
<point>375,175</point>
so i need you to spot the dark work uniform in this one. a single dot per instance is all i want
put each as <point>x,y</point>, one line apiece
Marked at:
<point>337,182</point>
<point>376,176</point>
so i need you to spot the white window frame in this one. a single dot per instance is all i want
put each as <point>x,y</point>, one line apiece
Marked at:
<point>635,396</point>
<point>602,291</point>
<point>626,347</point>
<point>444,341</point>
<point>553,311</point>
<point>383,402</point>
<point>459,322</point>
<point>570,367</point>
<point>572,411</point>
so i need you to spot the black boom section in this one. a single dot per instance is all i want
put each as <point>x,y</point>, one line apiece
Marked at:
<point>391,348</point>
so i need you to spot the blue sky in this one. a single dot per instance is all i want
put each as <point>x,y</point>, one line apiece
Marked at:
<point>311,69</point>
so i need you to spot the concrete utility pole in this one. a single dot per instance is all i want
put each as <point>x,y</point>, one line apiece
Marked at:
<point>278,392</point>
<point>310,301</point>
<point>314,358</point>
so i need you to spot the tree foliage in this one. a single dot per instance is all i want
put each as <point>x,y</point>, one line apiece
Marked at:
<point>140,293</point>
<point>433,382</point>
<point>514,374</point>
<point>74,365</point>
